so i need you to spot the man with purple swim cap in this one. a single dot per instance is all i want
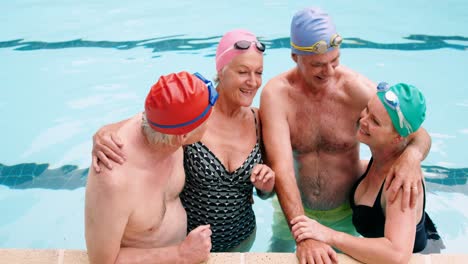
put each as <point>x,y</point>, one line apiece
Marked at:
<point>309,115</point>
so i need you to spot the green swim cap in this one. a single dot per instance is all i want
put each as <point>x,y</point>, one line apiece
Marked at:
<point>405,104</point>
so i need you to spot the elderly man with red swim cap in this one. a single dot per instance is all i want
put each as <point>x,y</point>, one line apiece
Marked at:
<point>133,213</point>
<point>309,115</point>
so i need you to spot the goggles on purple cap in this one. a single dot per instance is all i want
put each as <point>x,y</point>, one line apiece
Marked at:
<point>321,46</point>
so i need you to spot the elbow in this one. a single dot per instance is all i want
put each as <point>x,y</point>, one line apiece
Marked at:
<point>396,254</point>
<point>93,259</point>
<point>401,257</point>
<point>123,260</point>
<point>97,261</point>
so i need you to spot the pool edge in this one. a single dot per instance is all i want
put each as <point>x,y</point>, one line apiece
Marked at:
<point>66,256</point>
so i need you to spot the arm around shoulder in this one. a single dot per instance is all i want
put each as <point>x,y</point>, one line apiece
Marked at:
<point>420,143</point>
<point>406,172</point>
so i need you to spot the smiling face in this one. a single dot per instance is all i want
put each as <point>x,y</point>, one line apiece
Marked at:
<point>375,126</point>
<point>318,69</point>
<point>240,79</point>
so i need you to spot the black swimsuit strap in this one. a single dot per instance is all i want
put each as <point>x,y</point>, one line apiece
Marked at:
<point>256,124</point>
<point>354,188</point>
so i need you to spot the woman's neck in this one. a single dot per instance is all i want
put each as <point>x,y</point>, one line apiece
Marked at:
<point>384,157</point>
<point>226,107</point>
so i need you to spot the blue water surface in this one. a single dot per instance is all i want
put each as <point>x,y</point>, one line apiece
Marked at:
<point>69,67</point>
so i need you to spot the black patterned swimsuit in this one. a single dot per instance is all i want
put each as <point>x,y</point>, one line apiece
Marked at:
<point>213,195</point>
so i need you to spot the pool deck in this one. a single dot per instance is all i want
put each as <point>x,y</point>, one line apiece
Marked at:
<point>62,256</point>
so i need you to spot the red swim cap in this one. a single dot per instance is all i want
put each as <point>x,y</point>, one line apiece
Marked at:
<point>179,102</point>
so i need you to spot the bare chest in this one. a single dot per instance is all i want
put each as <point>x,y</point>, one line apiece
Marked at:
<point>157,196</point>
<point>329,126</point>
<point>148,215</point>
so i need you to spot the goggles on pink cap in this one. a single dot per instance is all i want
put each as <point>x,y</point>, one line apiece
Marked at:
<point>234,43</point>
<point>243,45</point>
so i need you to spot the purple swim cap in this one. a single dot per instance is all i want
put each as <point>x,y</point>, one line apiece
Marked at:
<point>311,27</point>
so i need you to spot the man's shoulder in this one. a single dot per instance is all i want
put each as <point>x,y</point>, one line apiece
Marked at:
<point>113,180</point>
<point>354,83</point>
<point>349,76</point>
<point>353,77</point>
<point>278,84</point>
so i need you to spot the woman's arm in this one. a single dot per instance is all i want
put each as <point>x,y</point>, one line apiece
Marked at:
<point>395,247</point>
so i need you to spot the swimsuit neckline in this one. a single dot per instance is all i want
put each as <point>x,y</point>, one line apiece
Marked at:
<point>254,149</point>
<point>222,165</point>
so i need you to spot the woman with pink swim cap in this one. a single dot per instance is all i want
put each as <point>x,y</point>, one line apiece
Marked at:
<point>224,166</point>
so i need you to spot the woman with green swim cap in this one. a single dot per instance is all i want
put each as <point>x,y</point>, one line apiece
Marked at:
<point>390,234</point>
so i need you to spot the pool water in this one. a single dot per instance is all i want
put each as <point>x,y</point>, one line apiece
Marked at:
<point>69,67</point>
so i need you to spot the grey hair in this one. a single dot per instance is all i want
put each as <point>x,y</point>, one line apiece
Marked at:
<point>216,77</point>
<point>155,137</point>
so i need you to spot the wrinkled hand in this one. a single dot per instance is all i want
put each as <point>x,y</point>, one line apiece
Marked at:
<point>304,228</point>
<point>405,173</point>
<point>315,252</point>
<point>197,245</point>
<point>106,145</point>
<point>263,178</point>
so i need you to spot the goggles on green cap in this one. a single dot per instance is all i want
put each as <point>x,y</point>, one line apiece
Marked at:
<point>405,105</point>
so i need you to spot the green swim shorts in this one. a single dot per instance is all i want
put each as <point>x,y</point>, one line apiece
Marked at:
<point>339,219</point>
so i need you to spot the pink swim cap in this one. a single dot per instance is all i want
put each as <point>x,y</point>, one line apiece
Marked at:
<point>226,51</point>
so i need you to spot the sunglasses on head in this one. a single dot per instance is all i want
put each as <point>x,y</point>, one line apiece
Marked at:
<point>392,101</point>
